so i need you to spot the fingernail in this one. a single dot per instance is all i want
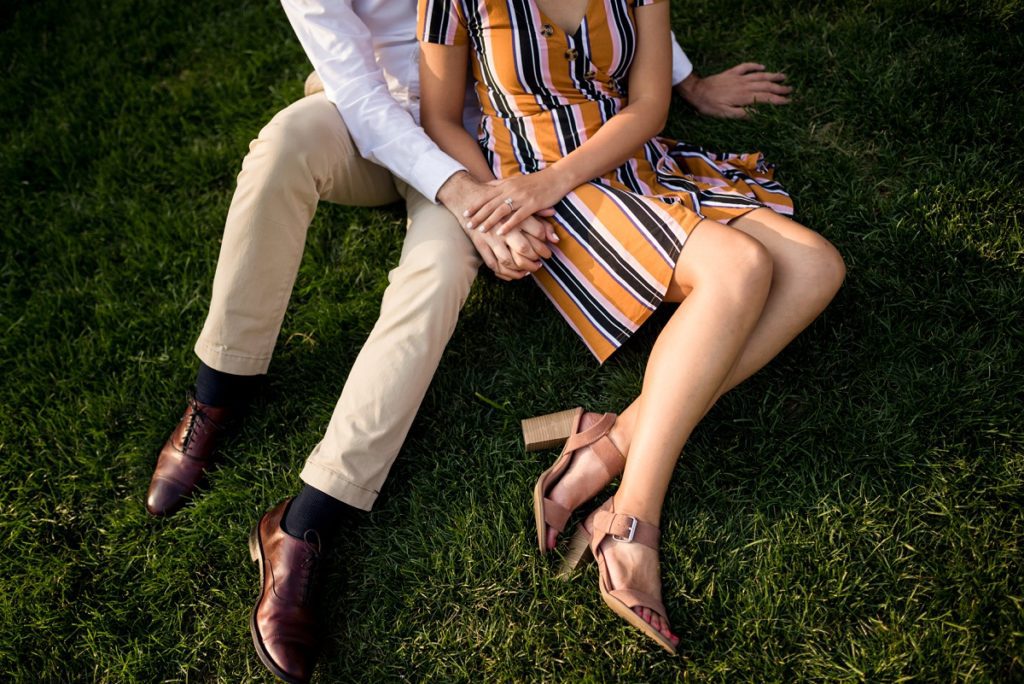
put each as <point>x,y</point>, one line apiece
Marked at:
<point>465,214</point>
<point>469,224</point>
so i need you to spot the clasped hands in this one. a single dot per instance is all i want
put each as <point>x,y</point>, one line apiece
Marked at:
<point>514,206</point>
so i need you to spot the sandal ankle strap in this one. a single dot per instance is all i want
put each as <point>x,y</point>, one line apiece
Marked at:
<point>596,437</point>
<point>624,528</point>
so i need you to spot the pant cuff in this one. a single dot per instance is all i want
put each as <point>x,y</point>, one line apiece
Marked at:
<point>219,358</point>
<point>333,484</point>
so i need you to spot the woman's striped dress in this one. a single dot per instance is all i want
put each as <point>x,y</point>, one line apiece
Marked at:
<point>543,93</point>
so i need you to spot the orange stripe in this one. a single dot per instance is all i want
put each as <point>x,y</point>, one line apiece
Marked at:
<point>621,226</point>
<point>600,280</point>
<point>601,348</point>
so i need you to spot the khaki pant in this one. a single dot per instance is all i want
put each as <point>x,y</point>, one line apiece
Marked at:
<point>303,155</point>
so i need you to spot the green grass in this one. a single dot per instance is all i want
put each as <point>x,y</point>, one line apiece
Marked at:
<point>854,512</point>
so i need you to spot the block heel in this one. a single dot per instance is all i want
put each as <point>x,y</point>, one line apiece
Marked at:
<point>550,431</point>
<point>577,554</point>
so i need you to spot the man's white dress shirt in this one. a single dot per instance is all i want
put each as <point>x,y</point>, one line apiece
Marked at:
<point>367,55</point>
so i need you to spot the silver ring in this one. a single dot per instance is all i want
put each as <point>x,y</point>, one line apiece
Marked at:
<point>511,205</point>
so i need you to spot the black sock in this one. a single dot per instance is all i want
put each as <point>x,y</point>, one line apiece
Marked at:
<point>314,510</point>
<point>217,388</point>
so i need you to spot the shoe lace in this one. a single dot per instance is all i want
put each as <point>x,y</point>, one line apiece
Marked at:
<point>197,419</point>
<point>311,538</point>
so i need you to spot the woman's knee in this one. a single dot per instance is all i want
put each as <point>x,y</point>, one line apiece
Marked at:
<point>830,266</point>
<point>818,266</point>
<point>730,261</point>
<point>798,252</point>
<point>754,262</point>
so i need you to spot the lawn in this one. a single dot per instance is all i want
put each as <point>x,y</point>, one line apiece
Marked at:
<point>854,512</point>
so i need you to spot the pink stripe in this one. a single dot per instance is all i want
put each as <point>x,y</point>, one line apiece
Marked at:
<point>607,305</point>
<point>581,129</point>
<point>616,56</point>
<point>602,228</point>
<point>783,209</point>
<point>564,314</point>
<point>453,23</point>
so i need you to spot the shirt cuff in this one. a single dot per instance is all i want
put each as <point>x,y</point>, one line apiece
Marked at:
<point>431,171</point>
<point>681,65</point>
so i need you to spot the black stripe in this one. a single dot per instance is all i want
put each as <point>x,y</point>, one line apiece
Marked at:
<point>484,141</point>
<point>475,30</point>
<point>525,153</point>
<point>583,61</point>
<point>598,315</point>
<point>525,23</point>
<point>655,226</point>
<point>437,21</point>
<point>606,254</point>
<point>566,124</point>
<point>623,21</point>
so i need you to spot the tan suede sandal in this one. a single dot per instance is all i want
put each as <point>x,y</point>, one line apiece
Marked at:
<point>553,430</point>
<point>603,525</point>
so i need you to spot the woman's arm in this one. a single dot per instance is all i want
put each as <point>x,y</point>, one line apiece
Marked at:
<point>442,95</point>
<point>442,98</point>
<point>644,116</point>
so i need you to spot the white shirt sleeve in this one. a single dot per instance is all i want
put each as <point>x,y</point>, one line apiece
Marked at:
<point>339,46</point>
<point>681,65</point>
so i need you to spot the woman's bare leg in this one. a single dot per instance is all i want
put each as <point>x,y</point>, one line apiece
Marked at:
<point>727,276</point>
<point>807,272</point>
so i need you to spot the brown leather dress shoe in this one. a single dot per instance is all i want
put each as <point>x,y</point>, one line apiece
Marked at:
<point>185,456</point>
<point>282,622</point>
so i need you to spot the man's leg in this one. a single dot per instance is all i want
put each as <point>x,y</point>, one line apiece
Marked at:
<point>303,155</point>
<point>390,376</point>
<point>381,396</point>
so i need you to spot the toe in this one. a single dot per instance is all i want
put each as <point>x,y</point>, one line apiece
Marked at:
<point>552,538</point>
<point>667,630</point>
<point>656,622</point>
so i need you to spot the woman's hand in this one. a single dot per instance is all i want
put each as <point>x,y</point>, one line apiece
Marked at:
<point>519,198</point>
<point>514,255</point>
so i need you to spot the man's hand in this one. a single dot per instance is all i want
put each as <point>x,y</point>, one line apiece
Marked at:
<point>461,191</point>
<point>726,95</point>
<point>511,256</point>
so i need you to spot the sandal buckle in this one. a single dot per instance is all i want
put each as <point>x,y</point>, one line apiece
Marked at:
<point>632,532</point>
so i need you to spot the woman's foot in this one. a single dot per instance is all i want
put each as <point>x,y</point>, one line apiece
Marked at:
<point>636,566</point>
<point>584,479</point>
